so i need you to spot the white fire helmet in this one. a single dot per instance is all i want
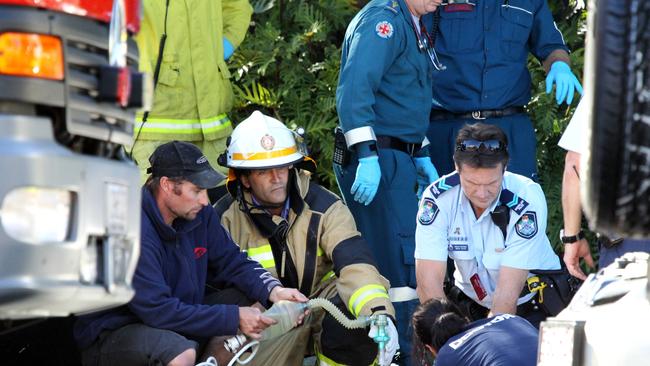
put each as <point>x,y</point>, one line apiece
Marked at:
<point>261,142</point>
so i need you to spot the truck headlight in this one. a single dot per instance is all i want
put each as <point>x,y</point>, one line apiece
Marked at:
<point>37,215</point>
<point>560,342</point>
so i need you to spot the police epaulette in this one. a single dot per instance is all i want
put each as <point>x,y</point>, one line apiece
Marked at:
<point>513,201</point>
<point>444,184</point>
<point>392,5</point>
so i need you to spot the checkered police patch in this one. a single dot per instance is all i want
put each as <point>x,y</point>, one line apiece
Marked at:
<point>428,212</point>
<point>526,227</point>
<point>384,29</point>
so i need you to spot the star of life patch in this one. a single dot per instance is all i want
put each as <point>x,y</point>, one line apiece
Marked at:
<point>526,227</point>
<point>428,212</point>
<point>384,29</point>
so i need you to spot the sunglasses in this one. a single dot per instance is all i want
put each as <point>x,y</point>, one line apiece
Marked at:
<point>487,146</point>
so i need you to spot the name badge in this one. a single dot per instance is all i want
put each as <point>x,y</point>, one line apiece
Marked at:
<point>461,7</point>
<point>478,286</point>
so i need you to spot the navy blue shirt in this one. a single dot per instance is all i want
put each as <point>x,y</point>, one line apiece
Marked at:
<point>485,51</point>
<point>175,264</point>
<point>502,340</point>
<point>385,80</point>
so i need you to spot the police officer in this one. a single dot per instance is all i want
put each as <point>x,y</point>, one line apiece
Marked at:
<point>491,223</point>
<point>302,234</point>
<point>484,46</point>
<point>383,100</point>
<point>445,332</point>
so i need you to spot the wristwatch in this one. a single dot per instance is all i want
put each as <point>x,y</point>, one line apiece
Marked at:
<point>571,239</point>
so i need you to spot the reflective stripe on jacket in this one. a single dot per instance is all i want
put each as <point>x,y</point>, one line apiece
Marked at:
<point>193,91</point>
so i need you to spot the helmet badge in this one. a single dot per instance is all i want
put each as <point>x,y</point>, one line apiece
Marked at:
<point>267,142</point>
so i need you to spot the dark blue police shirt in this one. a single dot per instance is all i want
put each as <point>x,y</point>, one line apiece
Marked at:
<point>485,51</point>
<point>385,80</point>
<point>502,340</point>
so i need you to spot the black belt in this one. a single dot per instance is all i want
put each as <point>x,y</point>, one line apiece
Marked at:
<point>437,114</point>
<point>387,142</point>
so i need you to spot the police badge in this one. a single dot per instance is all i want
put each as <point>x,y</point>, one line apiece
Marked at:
<point>526,227</point>
<point>428,212</point>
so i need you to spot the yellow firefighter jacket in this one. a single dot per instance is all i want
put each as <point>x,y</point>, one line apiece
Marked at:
<point>193,91</point>
<point>322,245</point>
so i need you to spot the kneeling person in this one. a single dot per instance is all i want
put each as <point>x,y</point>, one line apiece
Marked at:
<point>492,223</point>
<point>305,236</point>
<point>183,250</point>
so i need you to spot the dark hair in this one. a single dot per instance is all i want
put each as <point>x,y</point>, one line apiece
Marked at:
<point>435,321</point>
<point>153,183</point>
<point>481,159</point>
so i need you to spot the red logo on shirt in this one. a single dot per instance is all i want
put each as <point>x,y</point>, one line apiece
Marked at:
<point>199,251</point>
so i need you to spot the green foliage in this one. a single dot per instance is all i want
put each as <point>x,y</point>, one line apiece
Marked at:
<point>550,120</point>
<point>288,67</point>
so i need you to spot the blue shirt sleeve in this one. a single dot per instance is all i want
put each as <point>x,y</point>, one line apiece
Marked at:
<point>545,36</point>
<point>372,43</point>
<point>157,306</point>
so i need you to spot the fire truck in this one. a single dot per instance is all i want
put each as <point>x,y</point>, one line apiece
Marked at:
<point>69,196</point>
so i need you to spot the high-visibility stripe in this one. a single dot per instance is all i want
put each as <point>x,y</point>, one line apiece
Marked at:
<point>319,251</point>
<point>263,255</point>
<point>364,294</point>
<point>327,276</point>
<point>166,125</point>
<point>262,155</point>
<point>326,361</point>
<point>259,250</point>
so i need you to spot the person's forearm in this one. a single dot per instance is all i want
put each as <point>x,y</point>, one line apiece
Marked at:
<point>430,276</point>
<point>511,281</point>
<point>571,208</point>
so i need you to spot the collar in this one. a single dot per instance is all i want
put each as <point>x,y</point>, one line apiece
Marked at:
<point>285,209</point>
<point>166,232</point>
<point>466,206</point>
<point>405,11</point>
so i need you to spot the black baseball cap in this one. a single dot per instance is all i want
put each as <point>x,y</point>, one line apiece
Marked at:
<point>183,159</point>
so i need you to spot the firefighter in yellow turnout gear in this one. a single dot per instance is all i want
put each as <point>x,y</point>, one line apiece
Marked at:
<point>305,236</point>
<point>193,91</point>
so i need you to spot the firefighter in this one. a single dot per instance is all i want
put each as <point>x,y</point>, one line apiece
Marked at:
<point>304,235</point>
<point>192,82</point>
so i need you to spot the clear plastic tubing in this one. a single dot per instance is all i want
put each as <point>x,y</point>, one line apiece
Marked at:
<point>286,313</point>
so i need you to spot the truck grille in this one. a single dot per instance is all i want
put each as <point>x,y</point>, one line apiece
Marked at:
<point>85,114</point>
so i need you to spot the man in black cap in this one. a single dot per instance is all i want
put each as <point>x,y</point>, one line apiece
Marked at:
<point>183,249</point>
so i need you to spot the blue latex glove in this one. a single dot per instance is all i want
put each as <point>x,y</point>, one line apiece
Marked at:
<point>366,180</point>
<point>427,173</point>
<point>228,49</point>
<point>565,82</point>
